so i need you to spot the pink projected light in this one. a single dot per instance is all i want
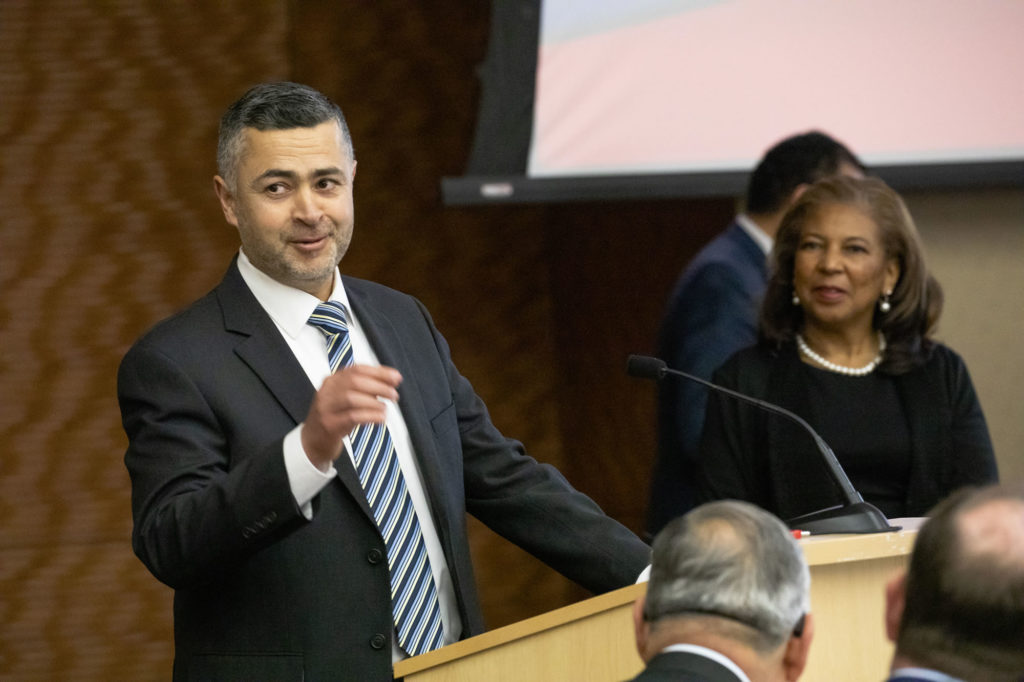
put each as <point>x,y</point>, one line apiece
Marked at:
<point>710,88</point>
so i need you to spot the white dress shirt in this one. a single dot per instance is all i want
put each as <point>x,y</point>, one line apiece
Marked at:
<point>924,674</point>
<point>290,309</point>
<point>755,232</point>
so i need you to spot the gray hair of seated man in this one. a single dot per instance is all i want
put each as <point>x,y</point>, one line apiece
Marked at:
<point>735,561</point>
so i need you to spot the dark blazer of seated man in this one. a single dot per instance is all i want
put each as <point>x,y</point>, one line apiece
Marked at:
<point>958,611</point>
<point>728,599</point>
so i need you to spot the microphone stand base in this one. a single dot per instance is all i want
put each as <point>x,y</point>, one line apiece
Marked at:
<point>856,517</point>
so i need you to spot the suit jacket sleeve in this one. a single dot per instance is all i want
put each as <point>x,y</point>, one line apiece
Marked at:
<point>719,320</point>
<point>712,314</point>
<point>531,503</point>
<point>200,510</point>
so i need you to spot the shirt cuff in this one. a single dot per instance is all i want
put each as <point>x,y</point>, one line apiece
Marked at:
<point>305,479</point>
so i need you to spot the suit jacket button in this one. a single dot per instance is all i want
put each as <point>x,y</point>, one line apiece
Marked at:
<point>378,641</point>
<point>374,556</point>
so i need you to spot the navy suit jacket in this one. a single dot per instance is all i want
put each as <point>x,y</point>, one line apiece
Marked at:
<point>684,666</point>
<point>260,591</point>
<point>711,314</point>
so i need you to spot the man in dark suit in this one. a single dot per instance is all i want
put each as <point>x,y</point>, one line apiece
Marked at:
<point>957,613</point>
<point>727,601</point>
<point>303,451</point>
<point>713,309</point>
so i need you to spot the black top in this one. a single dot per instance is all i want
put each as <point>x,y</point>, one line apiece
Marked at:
<point>907,440</point>
<point>862,420</point>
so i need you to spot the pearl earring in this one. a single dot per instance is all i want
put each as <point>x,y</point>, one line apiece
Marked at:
<point>796,299</point>
<point>883,304</point>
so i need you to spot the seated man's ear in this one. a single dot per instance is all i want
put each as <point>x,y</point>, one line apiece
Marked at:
<point>794,660</point>
<point>641,628</point>
<point>895,600</point>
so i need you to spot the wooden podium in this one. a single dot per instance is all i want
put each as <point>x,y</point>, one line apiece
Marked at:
<point>593,640</point>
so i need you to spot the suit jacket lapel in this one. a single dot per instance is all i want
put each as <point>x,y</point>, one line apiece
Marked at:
<point>262,347</point>
<point>387,344</point>
<point>265,351</point>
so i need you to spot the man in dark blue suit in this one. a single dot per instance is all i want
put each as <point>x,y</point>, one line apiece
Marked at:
<point>727,601</point>
<point>713,309</point>
<point>958,611</point>
<point>296,544</point>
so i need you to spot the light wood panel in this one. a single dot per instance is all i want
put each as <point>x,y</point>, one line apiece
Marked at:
<point>593,641</point>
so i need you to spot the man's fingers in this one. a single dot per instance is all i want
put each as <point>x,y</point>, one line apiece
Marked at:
<point>376,382</point>
<point>347,398</point>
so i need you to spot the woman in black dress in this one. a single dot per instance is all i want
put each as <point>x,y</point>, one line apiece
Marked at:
<point>845,342</point>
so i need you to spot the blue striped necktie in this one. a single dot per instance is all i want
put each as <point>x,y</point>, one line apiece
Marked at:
<point>413,593</point>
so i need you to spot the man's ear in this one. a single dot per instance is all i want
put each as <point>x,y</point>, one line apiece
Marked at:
<point>641,628</point>
<point>797,193</point>
<point>226,198</point>
<point>895,600</point>
<point>794,659</point>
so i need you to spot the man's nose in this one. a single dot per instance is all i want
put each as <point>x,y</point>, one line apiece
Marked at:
<point>306,206</point>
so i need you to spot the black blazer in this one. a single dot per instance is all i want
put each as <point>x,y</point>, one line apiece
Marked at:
<point>260,592</point>
<point>748,454</point>
<point>682,666</point>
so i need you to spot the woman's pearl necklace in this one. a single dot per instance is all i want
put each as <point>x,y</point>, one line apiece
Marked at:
<point>849,371</point>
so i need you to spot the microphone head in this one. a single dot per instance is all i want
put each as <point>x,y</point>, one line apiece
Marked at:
<point>645,367</point>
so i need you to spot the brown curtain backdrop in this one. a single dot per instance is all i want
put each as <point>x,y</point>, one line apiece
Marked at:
<point>108,223</point>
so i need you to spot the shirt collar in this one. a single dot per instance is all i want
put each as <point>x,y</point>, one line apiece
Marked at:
<point>752,229</point>
<point>289,307</point>
<point>923,674</point>
<point>708,653</point>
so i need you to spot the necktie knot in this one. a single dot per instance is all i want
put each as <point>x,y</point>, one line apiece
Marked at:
<point>331,318</point>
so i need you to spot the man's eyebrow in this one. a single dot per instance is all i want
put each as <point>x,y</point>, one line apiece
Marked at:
<point>275,173</point>
<point>292,175</point>
<point>332,170</point>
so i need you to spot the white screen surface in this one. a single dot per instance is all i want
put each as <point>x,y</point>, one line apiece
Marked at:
<point>670,86</point>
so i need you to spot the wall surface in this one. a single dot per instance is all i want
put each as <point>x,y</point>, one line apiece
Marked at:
<point>108,123</point>
<point>975,243</point>
<point>108,224</point>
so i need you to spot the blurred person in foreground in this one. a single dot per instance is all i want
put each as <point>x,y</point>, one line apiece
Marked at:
<point>303,451</point>
<point>727,601</point>
<point>712,312</point>
<point>846,343</point>
<point>957,613</point>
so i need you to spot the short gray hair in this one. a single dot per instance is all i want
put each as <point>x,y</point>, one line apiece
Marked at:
<point>732,560</point>
<point>273,106</point>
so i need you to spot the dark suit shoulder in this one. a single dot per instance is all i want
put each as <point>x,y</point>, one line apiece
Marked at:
<point>734,244</point>
<point>382,298</point>
<point>371,288</point>
<point>191,338</point>
<point>208,329</point>
<point>680,666</point>
<point>732,250</point>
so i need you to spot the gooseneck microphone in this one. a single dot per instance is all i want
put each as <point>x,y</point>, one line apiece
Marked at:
<point>853,516</point>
